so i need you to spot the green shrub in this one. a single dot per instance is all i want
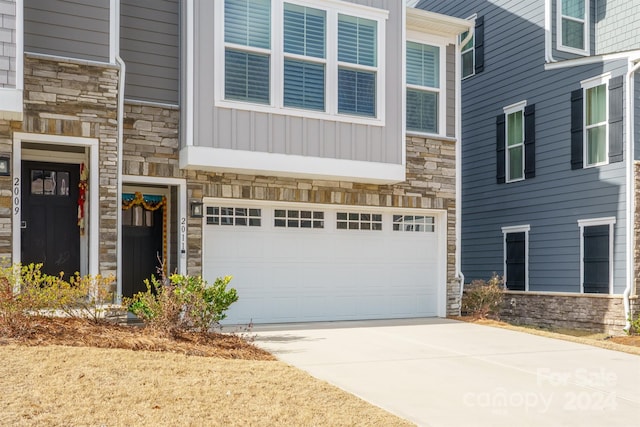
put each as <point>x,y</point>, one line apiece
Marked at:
<point>483,298</point>
<point>635,325</point>
<point>181,303</point>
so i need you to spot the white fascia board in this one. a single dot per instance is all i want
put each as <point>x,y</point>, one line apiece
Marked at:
<point>285,165</point>
<point>10,104</point>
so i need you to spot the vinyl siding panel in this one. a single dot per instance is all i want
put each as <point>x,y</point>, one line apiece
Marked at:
<point>617,26</point>
<point>451,91</point>
<point>278,132</point>
<point>7,43</point>
<point>73,29</point>
<point>149,44</point>
<point>556,198</point>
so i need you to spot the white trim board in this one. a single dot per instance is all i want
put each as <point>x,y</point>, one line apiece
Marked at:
<point>285,165</point>
<point>93,194</point>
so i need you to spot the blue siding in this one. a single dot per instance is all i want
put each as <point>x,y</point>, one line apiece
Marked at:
<point>557,197</point>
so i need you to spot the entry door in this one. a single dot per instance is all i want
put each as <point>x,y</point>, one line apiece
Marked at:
<point>50,233</point>
<point>142,247</point>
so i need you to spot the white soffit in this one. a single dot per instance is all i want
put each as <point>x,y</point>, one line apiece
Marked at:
<point>435,23</point>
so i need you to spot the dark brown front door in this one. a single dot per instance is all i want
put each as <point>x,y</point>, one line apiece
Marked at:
<point>142,250</point>
<point>50,232</point>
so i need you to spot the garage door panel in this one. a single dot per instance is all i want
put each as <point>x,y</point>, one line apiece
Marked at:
<point>295,274</point>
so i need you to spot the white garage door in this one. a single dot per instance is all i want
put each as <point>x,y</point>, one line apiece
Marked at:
<point>294,263</point>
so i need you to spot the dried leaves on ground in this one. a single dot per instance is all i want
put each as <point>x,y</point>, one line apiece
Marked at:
<point>83,333</point>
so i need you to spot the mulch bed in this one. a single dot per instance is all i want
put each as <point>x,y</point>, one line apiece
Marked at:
<point>84,333</point>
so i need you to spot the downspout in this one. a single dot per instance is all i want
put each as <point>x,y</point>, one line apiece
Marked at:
<point>630,270</point>
<point>458,131</point>
<point>548,31</point>
<point>115,56</point>
<point>123,70</point>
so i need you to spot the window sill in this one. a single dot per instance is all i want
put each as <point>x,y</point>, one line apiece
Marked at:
<point>426,135</point>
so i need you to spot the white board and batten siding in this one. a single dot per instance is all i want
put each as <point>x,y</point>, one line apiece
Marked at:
<point>322,272</point>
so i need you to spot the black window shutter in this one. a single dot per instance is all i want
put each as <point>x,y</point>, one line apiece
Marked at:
<point>596,259</point>
<point>516,261</point>
<point>616,138</point>
<point>530,141</point>
<point>500,143</point>
<point>479,44</point>
<point>577,131</point>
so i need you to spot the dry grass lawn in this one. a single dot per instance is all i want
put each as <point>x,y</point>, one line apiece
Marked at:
<point>627,344</point>
<point>43,383</point>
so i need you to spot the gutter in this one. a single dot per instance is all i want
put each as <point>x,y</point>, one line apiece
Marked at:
<point>458,132</point>
<point>114,54</point>
<point>630,250</point>
<point>548,31</point>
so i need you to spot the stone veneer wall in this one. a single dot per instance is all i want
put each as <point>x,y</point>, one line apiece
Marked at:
<point>604,313</point>
<point>6,195</point>
<point>75,98</point>
<point>151,149</point>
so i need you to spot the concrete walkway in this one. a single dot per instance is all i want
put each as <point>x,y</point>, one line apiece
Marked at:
<point>443,373</point>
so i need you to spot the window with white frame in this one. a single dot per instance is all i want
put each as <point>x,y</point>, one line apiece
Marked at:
<point>596,255</point>
<point>468,55</point>
<point>596,128</point>
<point>246,217</point>
<point>358,221</point>
<point>516,257</point>
<point>357,65</point>
<point>514,137</point>
<point>423,87</point>
<point>303,55</point>
<point>247,56</point>
<point>573,26</point>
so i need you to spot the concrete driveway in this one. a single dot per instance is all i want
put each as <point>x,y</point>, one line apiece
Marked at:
<point>441,373</point>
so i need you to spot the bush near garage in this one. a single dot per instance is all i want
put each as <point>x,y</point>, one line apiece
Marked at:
<point>482,298</point>
<point>182,303</point>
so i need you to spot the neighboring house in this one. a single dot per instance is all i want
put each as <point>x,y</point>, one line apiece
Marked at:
<point>308,148</point>
<point>549,152</point>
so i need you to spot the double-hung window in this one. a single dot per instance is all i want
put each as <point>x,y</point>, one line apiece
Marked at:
<point>423,87</point>
<point>357,65</point>
<point>595,103</point>
<point>304,57</point>
<point>597,122</point>
<point>247,37</point>
<point>515,142</point>
<point>468,55</point>
<point>573,26</point>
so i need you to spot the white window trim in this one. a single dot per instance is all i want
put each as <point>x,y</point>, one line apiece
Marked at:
<point>510,109</point>
<point>516,229</point>
<point>472,31</point>
<point>276,105</point>
<point>588,84</point>
<point>441,43</point>
<point>582,223</point>
<point>587,40</point>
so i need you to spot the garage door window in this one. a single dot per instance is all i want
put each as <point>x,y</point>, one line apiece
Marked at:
<point>217,215</point>
<point>287,218</point>
<point>358,221</point>
<point>413,223</point>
